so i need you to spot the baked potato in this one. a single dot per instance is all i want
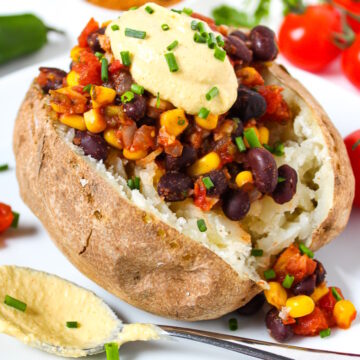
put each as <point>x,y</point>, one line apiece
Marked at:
<point>150,252</point>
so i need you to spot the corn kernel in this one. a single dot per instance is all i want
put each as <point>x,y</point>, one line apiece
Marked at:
<point>175,121</point>
<point>134,155</point>
<point>74,121</point>
<point>72,78</point>
<point>256,132</point>
<point>276,295</point>
<point>264,135</point>
<point>319,292</point>
<point>106,23</point>
<point>207,163</point>
<point>75,53</point>
<point>344,313</point>
<point>243,177</point>
<point>300,305</point>
<point>210,123</point>
<point>111,138</point>
<point>101,95</point>
<point>94,121</point>
<point>113,110</point>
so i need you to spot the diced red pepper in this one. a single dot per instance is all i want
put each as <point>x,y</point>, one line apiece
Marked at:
<point>6,217</point>
<point>327,304</point>
<point>89,68</point>
<point>312,324</point>
<point>90,27</point>
<point>200,198</point>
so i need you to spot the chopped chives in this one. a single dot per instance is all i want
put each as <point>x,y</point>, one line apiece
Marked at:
<point>208,182</point>
<point>16,304</point>
<point>257,252</point>
<point>149,9</point>
<point>212,93</point>
<point>130,184</point>
<point>251,137</point>
<point>176,11</point>
<point>72,324</point>
<point>269,274</point>
<point>137,89</point>
<point>194,25</point>
<point>204,113</point>
<point>87,88</point>
<point>127,97</point>
<point>171,61</point>
<point>138,34</point>
<point>305,250</point>
<point>99,55</point>
<point>336,294</point>
<point>281,179</point>
<point>157,100</point>
<point>112,351</point>
<point>325,333</point>
<point>187,11</point>
<point>219,53</point>
<point>240,144</point>
<point>233,324</point>
<point>173,45</point>
<point>134,8</point>
<point>220,41</point>
<point>134,183</point>
<point>288,281</point>
<point>277,149</point>
<point>15,221</point>
<point>115,27</point>
<point>4,167</point>
<point>201,27</point>
<point>199,39</point>
<point>201,225</point>
<point>165,27</point>
<point>104,70</point>
<point>125,58</point>
<point>211,41</point>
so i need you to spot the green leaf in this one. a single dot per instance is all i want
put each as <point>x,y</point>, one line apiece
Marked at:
<point>293,6</point>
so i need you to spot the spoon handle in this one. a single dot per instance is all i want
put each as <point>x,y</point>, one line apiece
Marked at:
<point>217,340</point>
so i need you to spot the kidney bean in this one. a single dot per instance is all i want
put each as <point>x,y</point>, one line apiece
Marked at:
<point>264,169</point>
<point>285,190</point>
<point>263,43</point>
<point>51,78</point>
<point>249,104</point>
<point>278,330</point>
<point>320,273</point>
<point>220,183</point>
<point>121,81</point>
<point>136,108</point>
<point>92,144</point>
<point>306,286</point>
<point>93,40</point>
<point>241,35</point>
<point>236,204</point>
<point>175,186</point>
<point>253,306</point>
<point>237,49</point>
<point>187,158</point>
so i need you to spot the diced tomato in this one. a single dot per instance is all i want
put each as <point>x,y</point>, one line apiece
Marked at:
<point>327,304</point>
<point>89,68</point>
<point>226,150</point>
<point>200,198</point>
<point>126,133</point>
<point>171,145</point>
<point>90,27</point>
<point>144,138</point>
<point>115,66</point>
<point>6,217</point>
<point>312,324</point>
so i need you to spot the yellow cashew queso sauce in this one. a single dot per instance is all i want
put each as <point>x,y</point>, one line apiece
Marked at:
<point>199,70</point>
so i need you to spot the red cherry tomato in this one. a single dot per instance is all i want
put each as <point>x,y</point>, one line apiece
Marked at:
<point>352,143</point>
<point>306,39</point>
<point>353,7</point>
<point>6,217</point>
<point>351,62</point>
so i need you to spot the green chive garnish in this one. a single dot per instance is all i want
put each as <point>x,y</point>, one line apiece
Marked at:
<point>130,184</point>
<point>288,281</point>
<point>187,11</point>
<point>134,183</point>
<point>137,89</point>
<point>125,58</point>
<point>194,25</point>
<point>134,8</point>
<point>280,179</point>
<point>325,333</point>
<point>135,33</point>
<point>277,149</point>
<point>173,45</point>
<point>15,222</point>
<point>4,167</point>
<point>201,27</point>
<point>127,97</point>
<point>157,100</point>
<point>104,70</point>
<point>115,27</point>
<point>112,351</point>
<point>336,295</point>
<point>181,122</point>
<point>99,55</point>
<point>204,113</point>
<point>171,61</point>
<point>16,304</point>
<point>240,144</point>
<point>149,9</point>
<point>201,225</point>
<point>220,41</point>
<point>269,274</point>
<point>257,252</point>
<point>176,11</point>
<point>252,138</point>
<point>87,88</point>
<point>165,27</point>
<point>72,324</point>
<point>199,39</point>
<point>305,250</point>
<point>212,93</point>
<point>219,53</point>
<point>207,182</point>
<point>211,41</point>
<point>233,324</point>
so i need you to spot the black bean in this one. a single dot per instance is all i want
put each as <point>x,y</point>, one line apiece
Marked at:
<point>264,169</point>
<point>187,158</point>
<point>220,182</point>
<point>92,144</point>
<point>306,286</point>
<point>236,204</point>
<point>241,35</point>
<point>249,104</point>
<point>286,189</point>
<point>136,108</point>
<point>121,82</point>
<point>234,168</point>
<point>93,40</point>
<point>175,186</point>
<point>320,273</point>
<point>278,330</point>
<point>237,49</point>
<point>253,306</point>
<point>263,43</point>
<point>54,78</point>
